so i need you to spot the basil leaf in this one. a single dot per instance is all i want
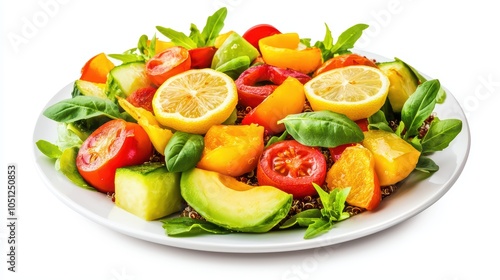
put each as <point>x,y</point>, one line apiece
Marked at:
<point>82,107</point>
<point>426,165</point>
<point>48,149</point>
<point>322,129</point>
<point>348,38</point>
<point>178,38</point>
<point>183,151</point>
<point>213,26</point>
<point>419,107</point>
<point>188,226</point>
<point>276,139</point>
<point>440,134</point>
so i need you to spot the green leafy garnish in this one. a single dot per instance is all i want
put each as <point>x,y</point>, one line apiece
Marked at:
<point>206,37</point>
<point>185,226</point>
<point>321,221</point>
<point>344,43</point>
<point>82,107</point>
<point>322,129</point>
<point>183,151</point>
<point>144,51</point>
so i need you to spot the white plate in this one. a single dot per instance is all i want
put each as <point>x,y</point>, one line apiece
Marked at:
<point>415,195</point>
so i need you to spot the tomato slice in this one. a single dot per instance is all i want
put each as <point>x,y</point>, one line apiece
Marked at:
<point>115,144</point>
<point>259,31</point>
<point>202,57</point>
<point>292,167</point>
<point>168,63</point>
<point>343,61</point>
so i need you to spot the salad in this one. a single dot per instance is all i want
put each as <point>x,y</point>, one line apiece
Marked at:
<point>217,132</point>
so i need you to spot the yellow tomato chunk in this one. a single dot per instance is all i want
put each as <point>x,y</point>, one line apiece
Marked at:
<point>232,149</point>
<point>395,158</point>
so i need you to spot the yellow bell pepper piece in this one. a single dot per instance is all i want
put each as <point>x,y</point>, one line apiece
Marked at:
<point>283,50</point>
<point>158,135</point>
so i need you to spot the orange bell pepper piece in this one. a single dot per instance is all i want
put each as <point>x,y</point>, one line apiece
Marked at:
<point>96,69</point>
<point>282,50</point>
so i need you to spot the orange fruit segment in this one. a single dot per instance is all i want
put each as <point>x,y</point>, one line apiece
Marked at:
<point>357,91</point>
<point>356,169</point>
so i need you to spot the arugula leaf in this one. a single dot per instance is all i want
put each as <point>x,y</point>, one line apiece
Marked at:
<point>348,38</point>
<point>440,134</point>
<point>143,52</point>
<point>206,37</point>
<point>213,27</point>
<point>344,43</point>
<point>184,226</point>
<point>178,38</point>
<point>82,107</point>
<point>322,129</point>
<point>320,221</point>
<point>419,107</point>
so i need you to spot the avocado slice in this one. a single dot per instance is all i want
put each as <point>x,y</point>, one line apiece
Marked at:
<point>403,82</point>
<point>148,191</point>
<point>229,203</point>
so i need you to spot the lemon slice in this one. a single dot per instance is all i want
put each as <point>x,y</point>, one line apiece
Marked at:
<point>356,91</point>
<point>194,100</point>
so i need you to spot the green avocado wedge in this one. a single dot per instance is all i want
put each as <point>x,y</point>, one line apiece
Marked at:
<point>229,203</point>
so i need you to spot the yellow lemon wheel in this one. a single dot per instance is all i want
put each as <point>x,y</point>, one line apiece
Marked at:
<point>355,91</point>
<point>194,100</point>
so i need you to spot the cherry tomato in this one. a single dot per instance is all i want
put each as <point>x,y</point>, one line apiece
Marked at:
<point>168,63</point>
<point>257,32</point>
<point>115,144</point>
<point>344,60</point>
<point>292,167</point>
<point>202,57</point>
<point>337,151</point>
<point>258,82</point>
<point>143,98</point>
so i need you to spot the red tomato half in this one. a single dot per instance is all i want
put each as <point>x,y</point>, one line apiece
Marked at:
<point>343,61</point>
<point>168,63</point>
<point>292,167</point>
<point>257,32</point>
<point>115,144</point>
<point>202,57</point>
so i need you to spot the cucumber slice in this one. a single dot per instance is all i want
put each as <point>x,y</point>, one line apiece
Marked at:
<point>148,191</point>
<point>125,79</point>
<point>87,88</point>
<point>403,81</point>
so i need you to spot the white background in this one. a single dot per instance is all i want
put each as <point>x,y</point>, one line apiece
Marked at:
<point>45,43</point>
